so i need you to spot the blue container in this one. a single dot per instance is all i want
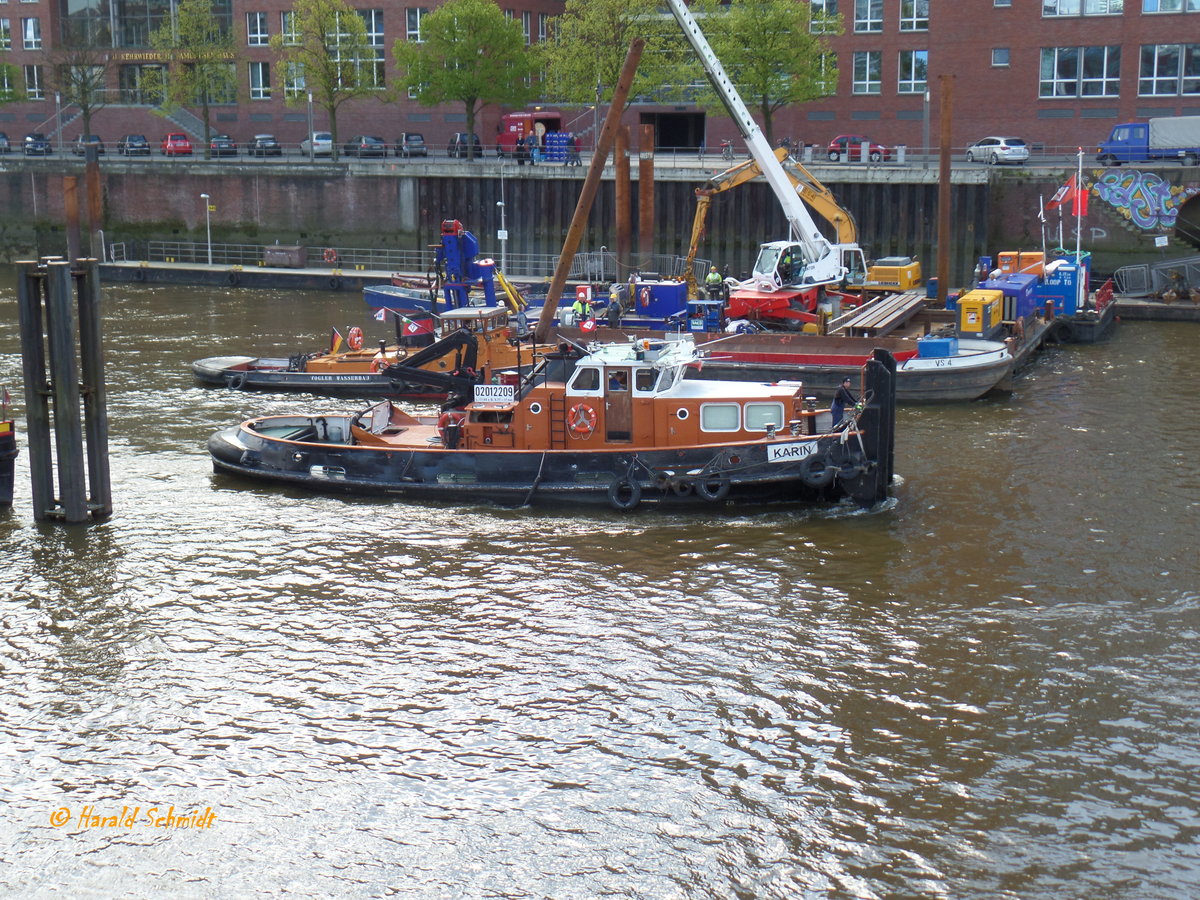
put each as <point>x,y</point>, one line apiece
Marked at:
<point>931,288</point>
<point>666,298</point>
<point>937,347</point>
<point>1019,294</point>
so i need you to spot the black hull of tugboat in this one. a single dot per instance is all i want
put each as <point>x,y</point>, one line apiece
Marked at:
<point>8,458</point>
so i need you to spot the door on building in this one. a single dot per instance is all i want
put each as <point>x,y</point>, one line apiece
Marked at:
<point>675,130</point>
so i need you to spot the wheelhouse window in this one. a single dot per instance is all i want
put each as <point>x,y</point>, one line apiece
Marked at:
<point>643,381</point>
<point>760,415</point>
<point>586,378</point>
<point>720,417</point>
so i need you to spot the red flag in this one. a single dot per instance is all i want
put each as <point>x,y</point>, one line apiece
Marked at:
<point>587,325</point>
<point>1079,201</point>
<point>1063,194</point>
<point>381,316</point>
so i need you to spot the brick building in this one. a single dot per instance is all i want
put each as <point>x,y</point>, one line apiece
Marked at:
<point>1057,72</point>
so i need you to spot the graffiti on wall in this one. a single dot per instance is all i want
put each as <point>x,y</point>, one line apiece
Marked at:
<point>1144,198</point>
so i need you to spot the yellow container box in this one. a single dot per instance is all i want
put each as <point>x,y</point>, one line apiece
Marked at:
<point>979,311</point>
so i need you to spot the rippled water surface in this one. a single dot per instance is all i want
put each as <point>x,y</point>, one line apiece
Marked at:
<point>988,691</point>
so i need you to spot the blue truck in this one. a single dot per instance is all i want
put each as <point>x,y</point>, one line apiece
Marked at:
<point>1169,138</point>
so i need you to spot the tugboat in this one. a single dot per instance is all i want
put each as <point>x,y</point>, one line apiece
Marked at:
<point>615,423</point>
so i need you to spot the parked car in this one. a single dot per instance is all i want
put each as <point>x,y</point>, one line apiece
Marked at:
<point>175,144</point>
<point>5,147</point>
<point>996,150</point>
<point>849,146</point>
<point>459,141</point>
<point>320,144</point>
<point>364,145</point>
<point>36,144</point>
<point>264,145</point>
<point>83,141</point>
<point>133,145</point>
<point>222,145</point>
<point>411,143</point>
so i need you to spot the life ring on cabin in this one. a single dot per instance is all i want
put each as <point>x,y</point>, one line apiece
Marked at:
<point>232,279</point>
<point>330,256</point>
<point>448,418</point>
<point>354,338</point>
<point>713,488</point>
<point>624,494</point>
<point>379,365</point>
<point>581,419</point>
<point>644,297</point>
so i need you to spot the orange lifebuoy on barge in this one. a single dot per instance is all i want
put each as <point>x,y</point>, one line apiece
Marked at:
<point>581,419</point>
<point>644,297</point>
<point>330,256</point>
<point>448,418</point>
<point>354,338</point>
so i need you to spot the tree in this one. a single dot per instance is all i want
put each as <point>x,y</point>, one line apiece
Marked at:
<point>199,46</point>
<point>591,40</point>
<point>327,52</point>
<point>469,53</point>
<point>774,52</point>
<point>79,73</point>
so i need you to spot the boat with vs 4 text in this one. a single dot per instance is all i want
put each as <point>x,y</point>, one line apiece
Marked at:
<point>614,423</point>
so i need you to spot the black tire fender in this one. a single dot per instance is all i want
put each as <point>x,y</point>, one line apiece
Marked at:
<point>232,279</point>
<point>237,381</point>
<point>335,283</point>
<point>816,472</point>
<point>624,494</point>
<point>712,488</point>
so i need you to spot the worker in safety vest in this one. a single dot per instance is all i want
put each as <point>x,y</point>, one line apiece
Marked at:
<point>713,282</point>
<point>582,307</point>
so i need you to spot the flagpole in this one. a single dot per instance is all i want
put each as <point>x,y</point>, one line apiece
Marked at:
<point>1042,220</point>
<point>1078,206</point>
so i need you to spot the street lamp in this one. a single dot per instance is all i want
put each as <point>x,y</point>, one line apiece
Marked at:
<point>502,234</point>
<point>208,225</point>
<point>58,119</point>
<point>311,149</point>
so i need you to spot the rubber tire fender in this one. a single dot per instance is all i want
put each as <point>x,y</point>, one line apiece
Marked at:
<point>624,494</point>
<point>817,471</point>
<point>712,489</point>
<point>237,381</point>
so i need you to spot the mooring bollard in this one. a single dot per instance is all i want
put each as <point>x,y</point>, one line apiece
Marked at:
<point>50,324</point>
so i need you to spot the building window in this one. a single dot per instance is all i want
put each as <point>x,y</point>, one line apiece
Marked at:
<point>914,65</point>
<point>31,31</point>
<point>1000,56</point>
<point>1057,8</point>
<point>7,88</point>
<point>1162,6</point>
<point>823,16</point>
<point>33,83</point>
<point>1001,2</point>
<point>412,19</point>
<point>141,85</point>
<point>868,65</point>
<point>914,15</point>
<point>256,29</point>
<point>293,80</point>
<point>1060,7</point>
<point>287,27</point>
<point>527,26</point>
<point>868,16</point>
<point>1080,72</point>
<point>373,19</point>
<point>827,74</point>
<point>260,81</point>
<point>1101,72</point>
<point>5,34</point>
<point>1169,69</point>
<point>543,27</point>
<point>1103,7</point>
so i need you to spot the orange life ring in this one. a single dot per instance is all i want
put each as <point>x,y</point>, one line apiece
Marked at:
<point>581,419</point>
<point>644,296</point>
<point>448,418</point>
<point>354,338</point>
<point>330,255</point>
<point>379,365</point>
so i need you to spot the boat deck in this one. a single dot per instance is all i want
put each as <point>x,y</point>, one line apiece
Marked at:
<point>884,316</point>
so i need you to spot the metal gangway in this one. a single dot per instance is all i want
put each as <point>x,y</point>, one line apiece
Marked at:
<point>1152,279</point>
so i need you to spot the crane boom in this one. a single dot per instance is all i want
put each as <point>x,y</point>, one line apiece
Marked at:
<point>822,261</point>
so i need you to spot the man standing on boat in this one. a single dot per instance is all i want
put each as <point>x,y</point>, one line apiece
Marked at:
<point>842,399</point>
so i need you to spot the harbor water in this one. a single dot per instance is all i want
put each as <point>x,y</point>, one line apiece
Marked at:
<point>231,690</point>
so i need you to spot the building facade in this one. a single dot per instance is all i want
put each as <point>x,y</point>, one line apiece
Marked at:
<point>1058,73</point>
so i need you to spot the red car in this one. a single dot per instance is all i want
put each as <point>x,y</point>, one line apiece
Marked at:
<point>849,146</point>
<point>175,144</point>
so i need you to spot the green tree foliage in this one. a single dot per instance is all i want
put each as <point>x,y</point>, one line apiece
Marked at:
<point>589,44</point>
<point>329,54</point>
<point>79,74</point>
<point>774,51</point>
<point>200,50</point>
<point>469,53</point>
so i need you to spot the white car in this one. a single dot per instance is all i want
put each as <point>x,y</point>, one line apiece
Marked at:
<point>321,143</point>
<point>996,150</point>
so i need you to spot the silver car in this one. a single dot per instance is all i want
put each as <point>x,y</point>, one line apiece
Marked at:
<point>321,144</point>
<point>996,150</point>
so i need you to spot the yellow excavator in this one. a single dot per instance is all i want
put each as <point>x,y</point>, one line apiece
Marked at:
<point>897,273</point>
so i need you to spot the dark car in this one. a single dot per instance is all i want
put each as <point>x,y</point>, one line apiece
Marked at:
<point>264,145</point>
<point>410,143</point>
<point>133,145</point>
<point>36,144</point>
<point>850,146</point>
<point>460,141</point>
<point>222,145</point>
<point>5,147</point>
<point>83,141</point>
<point>364,145</point>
